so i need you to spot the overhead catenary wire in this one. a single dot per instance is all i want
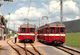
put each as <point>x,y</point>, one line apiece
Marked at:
<point>49,13</point>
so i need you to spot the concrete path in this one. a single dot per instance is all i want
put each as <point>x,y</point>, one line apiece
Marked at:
<point>6,49</point>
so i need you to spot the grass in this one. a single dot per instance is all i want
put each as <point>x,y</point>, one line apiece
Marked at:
<point>73,39</point>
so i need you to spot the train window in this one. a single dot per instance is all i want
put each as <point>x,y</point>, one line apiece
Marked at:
<point>62,29</point>
<point>57,29</point>
<point>41,31</point>
<point>23,30</point>
<point>32,30</point>
<point>52,29</point>
<point>44,30</point>
<point>47,30</point>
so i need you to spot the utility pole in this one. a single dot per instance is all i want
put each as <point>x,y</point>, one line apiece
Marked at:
<point>8,22</point>
<point>61,11</point>
<point>39,22</point>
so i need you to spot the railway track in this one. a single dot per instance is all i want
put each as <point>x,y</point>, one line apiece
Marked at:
<point>35,49</point>
<point>18,52</point>
<point>68,50</point>
<point>26,51</point>
<point>32,53</point>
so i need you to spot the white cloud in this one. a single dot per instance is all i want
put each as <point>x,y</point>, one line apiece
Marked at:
<point>11,17</point>
<point>67,19</point>
<point>23,13</point>
<point>70,19</point>
<point>77,17</point>
<point>70,9</point>
<point>54,6</point>
<point>68,6</point>
<point>34,13</point>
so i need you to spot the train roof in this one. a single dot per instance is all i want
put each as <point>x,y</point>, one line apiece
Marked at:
<point>55,24</point>
<point>27,25</point>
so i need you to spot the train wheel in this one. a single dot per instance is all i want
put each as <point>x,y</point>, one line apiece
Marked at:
<point>32,41</point>
<point>54,43</point>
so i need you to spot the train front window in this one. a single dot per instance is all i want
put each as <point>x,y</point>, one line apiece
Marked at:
<point>32,30</point>
<point>52,29</point>
<point>23,30</point>
<point>62,29</point>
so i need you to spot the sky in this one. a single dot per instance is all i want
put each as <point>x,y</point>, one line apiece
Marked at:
<point>23,11</point>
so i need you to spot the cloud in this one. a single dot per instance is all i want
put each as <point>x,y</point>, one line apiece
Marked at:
<point>23,13</point>
<point>69,7</point>
<point>14,25</point>
<point>70,12</point>
<point>70,18</point>
<point>11,17</point>
<point>54,6</point>
<point>77,17</point>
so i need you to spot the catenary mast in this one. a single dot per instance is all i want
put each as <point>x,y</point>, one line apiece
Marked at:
<point>61,11</point>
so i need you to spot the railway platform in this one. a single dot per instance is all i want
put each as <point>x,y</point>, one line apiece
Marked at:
<point>5,49</point>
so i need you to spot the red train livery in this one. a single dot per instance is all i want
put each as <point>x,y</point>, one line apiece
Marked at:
<point>53,33</point>
<point>26,33</point>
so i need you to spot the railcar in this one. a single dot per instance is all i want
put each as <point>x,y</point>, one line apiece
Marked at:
<point>53,33</point>
<point>26,33</point>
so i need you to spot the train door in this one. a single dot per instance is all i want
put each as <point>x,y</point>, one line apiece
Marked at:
<point>56,36</point>
<point>57,30</point>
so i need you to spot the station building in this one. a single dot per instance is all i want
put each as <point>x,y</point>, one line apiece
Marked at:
<point>2,26</point>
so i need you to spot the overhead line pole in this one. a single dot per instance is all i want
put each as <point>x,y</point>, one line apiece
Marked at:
<point>39,22</point>
<point>61,11</point>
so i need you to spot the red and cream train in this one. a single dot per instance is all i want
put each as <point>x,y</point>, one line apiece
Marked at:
<point>26,33</point>
<point>53,33</point>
